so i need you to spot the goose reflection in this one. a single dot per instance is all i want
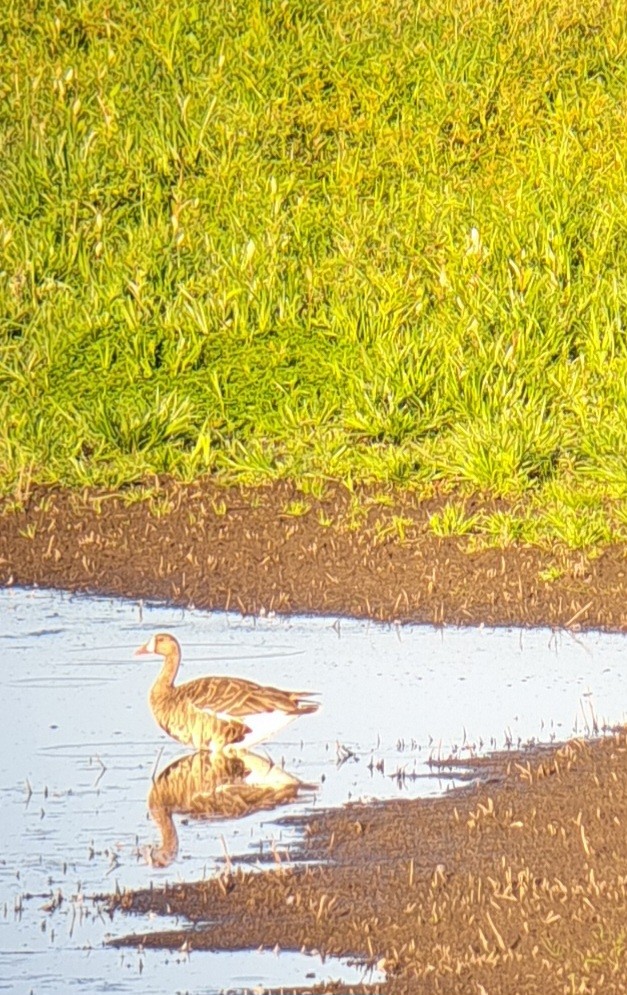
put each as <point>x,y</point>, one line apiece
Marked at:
<point>215,786</point>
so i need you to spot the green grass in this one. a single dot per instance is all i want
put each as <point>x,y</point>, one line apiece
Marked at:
<point>372,241</point>
<point>538,523</point>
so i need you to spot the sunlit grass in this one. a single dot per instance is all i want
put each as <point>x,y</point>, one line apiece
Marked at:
<point>295,509</point>
<point>377,242</point>
<point>452,521</point>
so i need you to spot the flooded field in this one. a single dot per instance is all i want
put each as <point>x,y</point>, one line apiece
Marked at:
<point>95,797</point>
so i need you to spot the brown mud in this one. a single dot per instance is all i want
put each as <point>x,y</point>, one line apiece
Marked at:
<point>368,553</point>
<point>515,884</point>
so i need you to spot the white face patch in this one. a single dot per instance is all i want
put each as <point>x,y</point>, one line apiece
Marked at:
<point>150,645</point>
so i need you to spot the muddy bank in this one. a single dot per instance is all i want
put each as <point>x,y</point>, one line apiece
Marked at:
<point>518,884</point>
<point>367,554</point>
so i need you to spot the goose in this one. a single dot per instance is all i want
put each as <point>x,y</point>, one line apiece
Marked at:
<point>215,786</point>
<point>213,713</point>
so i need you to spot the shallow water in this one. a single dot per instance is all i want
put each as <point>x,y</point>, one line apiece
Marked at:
<point>81,750</point>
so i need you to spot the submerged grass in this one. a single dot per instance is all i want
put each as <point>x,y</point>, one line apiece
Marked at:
<point>372,241</point>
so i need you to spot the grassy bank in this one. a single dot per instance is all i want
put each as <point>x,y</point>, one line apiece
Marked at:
<point>372,242</point>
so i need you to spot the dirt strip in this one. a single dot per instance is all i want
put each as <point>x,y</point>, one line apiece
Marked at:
<point>369,554</point>
<point>515,885</point>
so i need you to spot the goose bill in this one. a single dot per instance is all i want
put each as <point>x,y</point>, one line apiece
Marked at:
<point>148,648</point>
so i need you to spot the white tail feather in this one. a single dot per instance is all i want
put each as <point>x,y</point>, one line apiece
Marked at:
<point>262,725</point>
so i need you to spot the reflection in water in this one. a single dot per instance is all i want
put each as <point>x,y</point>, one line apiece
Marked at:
<point>215,786</point>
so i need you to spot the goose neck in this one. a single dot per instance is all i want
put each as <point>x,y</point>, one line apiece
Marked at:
<point>169,669</point>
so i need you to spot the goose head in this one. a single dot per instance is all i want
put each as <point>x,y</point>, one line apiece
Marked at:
<point>161,644</point>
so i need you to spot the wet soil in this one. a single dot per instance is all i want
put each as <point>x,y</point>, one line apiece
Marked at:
<point>516,884</point>
<point>369,553</point>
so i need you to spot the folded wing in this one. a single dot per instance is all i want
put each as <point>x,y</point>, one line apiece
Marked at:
<point>239,698</point>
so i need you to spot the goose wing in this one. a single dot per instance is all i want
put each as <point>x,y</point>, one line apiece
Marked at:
<point>237,697</point>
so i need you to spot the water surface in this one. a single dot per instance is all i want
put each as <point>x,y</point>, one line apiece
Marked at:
<point>80,774</point>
